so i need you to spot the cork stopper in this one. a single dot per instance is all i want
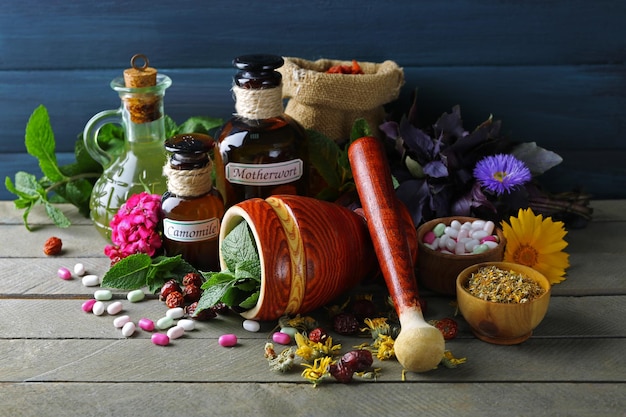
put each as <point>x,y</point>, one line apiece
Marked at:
<point>140,76</point>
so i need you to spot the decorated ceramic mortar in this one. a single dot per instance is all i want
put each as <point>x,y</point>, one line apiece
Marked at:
<point>438,271</point>
<point>311,251</point>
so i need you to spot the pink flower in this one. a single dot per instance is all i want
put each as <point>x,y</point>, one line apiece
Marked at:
<point>134,229</point>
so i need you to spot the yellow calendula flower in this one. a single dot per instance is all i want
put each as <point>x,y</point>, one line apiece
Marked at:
<point>538,243</point>
<point>314,373</point>
<point>384,346</point>
<point>310,351</point>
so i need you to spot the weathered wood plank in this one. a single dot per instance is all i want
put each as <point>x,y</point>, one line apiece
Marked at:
<point>46,35</point>
<point>286,399</point>
<point>201,360</point>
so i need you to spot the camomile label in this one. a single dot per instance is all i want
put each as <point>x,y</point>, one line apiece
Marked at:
<point>264,174</point>
<point>191,231</point>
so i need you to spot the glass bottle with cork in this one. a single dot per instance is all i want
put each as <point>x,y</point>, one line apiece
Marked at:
<point>261,150</point>
<point>192,208</point>
<point>139,165</point>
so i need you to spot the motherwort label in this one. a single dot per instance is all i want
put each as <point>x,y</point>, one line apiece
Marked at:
<point>191,231</point>
<point>264,174</point>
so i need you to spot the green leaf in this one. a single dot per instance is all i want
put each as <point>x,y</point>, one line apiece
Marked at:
<point>57,216</point>
<point>323,155</point>
<point>250,302</point>
<point>40,143</point>
<point>128,274</point>
<point>537,159</point>
<point>218,278</point>
<point>238,247</point>
<point>199,124</point>
<point>360,128</point>
<point>212,295</point>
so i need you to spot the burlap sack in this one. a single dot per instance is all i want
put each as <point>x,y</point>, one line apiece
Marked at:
<point>330,103</point>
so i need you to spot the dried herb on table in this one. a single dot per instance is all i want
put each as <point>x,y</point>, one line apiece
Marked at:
<point>494,284</point>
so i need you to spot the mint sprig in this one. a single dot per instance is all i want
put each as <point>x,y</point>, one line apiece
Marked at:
<point>73,183</point>
<point>239,284</point>
<point>139,270</point>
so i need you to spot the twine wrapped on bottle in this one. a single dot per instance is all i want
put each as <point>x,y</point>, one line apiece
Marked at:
<point>330,103</point>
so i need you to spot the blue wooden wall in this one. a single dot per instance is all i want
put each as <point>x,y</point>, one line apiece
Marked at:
<point>552,70</point>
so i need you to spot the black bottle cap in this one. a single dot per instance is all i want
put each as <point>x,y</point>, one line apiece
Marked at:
<point>258,70</point>
<point>189,150</point>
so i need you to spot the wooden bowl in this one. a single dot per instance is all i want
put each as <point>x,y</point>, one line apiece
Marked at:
<point>438,271</point>
<point>502,323</point>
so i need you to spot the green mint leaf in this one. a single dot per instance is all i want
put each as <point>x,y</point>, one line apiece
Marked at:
<point>233,296</point>
<point>218,278</point>
<point>212,295</point>
<point>323,155</point>
<point>250,302</point>
<point>164,268</point>
<point>238,248</point>
<point>360,128</point>
<point>199,124</point>
<point>40,143</point>
<point>128,274</point>
<point>57,216</point>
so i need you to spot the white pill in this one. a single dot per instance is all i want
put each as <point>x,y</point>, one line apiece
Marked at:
<point>479,234</point>
<point>121,321</point>
<point>114,308</point>
<point>79,269</point>
<point>98,308</point>
<point>443,241</point>
<point>459,249</point>
<point>175,332</point>
<point>490,244</point>
<point>103,295</point>
<point>489,226</point>
<point>466,226</point>
<point>186,324</point>
<point>478,224</point>
<point>455,224</point>
<point>175,313</point>
<point>470,244</point>
<point>450,245</point>
<point>251,325</point>
<point>128,329</point>
<point>463,233</point>
<point>90,280</point>
<point>452,232</point>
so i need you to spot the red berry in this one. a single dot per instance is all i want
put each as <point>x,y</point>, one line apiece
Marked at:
<point>192,293</point>
<point>345,323</point>
<point>168,287</point>
<point>318,335</point>
<point>363,309</point>
<point>175,299</point>
<point>192,278</point>
<point>341,372</point>
<point>220,308</point>
<point>203,315</point>
<point>358,360</point>
<point>448,327</point>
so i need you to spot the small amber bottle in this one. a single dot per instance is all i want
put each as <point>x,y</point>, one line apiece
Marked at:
<point>262,151</point>
<point>192,208</point>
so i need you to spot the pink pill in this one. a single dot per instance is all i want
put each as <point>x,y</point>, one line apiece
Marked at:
<point>490,238</point>
<point>227,340</point>
<point>281,338</point>
<point>64,273</point>
<point>429,237</point>
<point>160,339</point>
<point>88,305</point>
<point>146,324</point>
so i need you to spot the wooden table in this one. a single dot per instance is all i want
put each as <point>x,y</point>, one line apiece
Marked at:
<point>56,360</point>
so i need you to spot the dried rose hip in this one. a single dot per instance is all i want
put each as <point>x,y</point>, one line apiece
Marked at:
<point>52,246</point>
<point>192,278</point>
<point>175,299</point>
<point>341,372</point>
<point>192,293</point>
<point>318,335</point>
<point>358,360</point>
<point>363,309</point>
<point>345,323</point>
<point>169,287</point>
<point>204,315</point>
<point>448,327</point>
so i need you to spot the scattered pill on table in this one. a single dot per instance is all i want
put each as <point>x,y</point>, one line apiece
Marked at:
<point>128,329</point>
<point>175,313</point>
<point>227,340</point>
<point>64,273</point>
<point>135,296</point>
<point>146,324</point>
<point>88,305</point>
<point>90,280</point>
<point>186,324</point>
<point>120,321</point>
<point>114,308</point>
<point>98,308</point>
<point>103,295</point>
<point>175,332</point>
<point>160,339</point>
<point>281,338</point>
<point>79,269</point>
<point>291,331</point>
<point>164,323</point>
<point>251,325</point>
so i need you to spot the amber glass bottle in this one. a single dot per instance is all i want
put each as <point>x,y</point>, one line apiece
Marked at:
<point>192,208</point>
<point>261,150</point>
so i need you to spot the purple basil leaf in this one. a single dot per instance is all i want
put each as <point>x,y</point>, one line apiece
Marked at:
<point>414,194</point>
<point>417,141</point>
<point>436,169</point>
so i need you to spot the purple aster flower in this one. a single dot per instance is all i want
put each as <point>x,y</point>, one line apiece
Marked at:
<point>501,173</point>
